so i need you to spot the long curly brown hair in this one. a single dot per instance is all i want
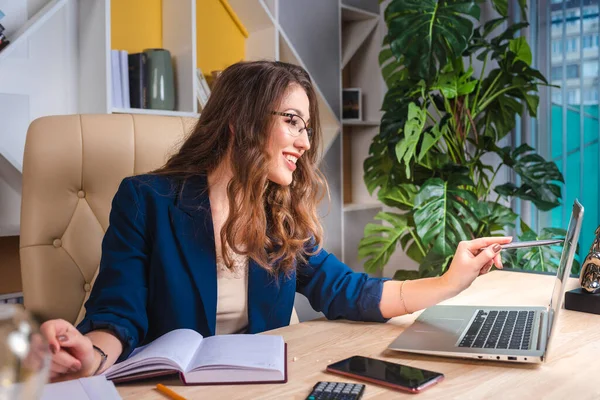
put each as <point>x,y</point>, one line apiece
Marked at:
<point>274,225</point>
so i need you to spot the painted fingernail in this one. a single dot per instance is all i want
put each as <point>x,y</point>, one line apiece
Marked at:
<point>497,248</point>
<point>63,338</point>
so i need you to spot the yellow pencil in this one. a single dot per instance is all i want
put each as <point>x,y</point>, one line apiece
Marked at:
<point>165,390</point>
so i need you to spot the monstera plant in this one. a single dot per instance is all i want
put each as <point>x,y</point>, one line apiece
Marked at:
<point>438,152</point>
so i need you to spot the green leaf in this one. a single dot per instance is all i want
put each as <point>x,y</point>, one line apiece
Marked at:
<point>491,25</point>
<point>501,6</point>
<point>407,147</point>
<point>542,258</point>
<point>405,275</point>
<point>429,33</point>
<point>532,102</point>
<point>538,177</point>
<point>393,72</point>
<point>493,218</point>
<point>443,214</point>
<point>522,50</point>
<point>453,84</point>
<point>384,55</point>
<point>434,264</point>
<point>380,241</point>
<point>401,196</point>
<point>378,166</point>
<point>430,138</point>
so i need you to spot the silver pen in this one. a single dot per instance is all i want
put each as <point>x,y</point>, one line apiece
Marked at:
<point>531,243</point>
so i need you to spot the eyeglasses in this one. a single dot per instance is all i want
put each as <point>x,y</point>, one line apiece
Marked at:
<point>294,125</point>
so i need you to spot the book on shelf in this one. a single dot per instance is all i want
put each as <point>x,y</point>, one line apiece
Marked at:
<point>137,80</point>
<point>124,72</point>
<point>221,359</point>
<point>202,88</point>
<point>115,70</point>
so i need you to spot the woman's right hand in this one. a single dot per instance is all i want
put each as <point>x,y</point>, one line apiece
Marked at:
<point>73,355</point>
<point>473,258</point>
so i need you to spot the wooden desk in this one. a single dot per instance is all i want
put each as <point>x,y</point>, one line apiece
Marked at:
<point>571,370</point>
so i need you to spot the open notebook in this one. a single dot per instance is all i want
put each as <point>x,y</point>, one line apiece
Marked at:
<point>211,360</point>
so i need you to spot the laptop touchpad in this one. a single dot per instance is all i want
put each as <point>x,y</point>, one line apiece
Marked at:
<point>440,325</point>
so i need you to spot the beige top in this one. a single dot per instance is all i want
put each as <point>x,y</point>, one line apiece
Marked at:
<point>232,295</point>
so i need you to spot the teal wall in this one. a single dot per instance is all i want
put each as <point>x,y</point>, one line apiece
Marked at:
<point>586,189</point>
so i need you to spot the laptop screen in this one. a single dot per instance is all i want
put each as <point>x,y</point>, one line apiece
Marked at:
<point>566,262</point>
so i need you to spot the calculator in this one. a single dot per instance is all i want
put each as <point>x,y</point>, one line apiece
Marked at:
<point>336,391</point>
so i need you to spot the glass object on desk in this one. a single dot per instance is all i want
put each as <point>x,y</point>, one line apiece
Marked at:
<point>24,355</point>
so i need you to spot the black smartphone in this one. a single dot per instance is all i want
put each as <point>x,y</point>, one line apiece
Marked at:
<point>392,375</point>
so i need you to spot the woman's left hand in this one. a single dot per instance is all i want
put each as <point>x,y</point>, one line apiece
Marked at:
<point>473,258</point>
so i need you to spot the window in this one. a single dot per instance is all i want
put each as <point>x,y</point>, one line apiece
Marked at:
<point>571,45</point>
<point>556,73</point>
<point>573,96</point>
<point>572,18</point>
<point>572,71</point>
<point>557,48</point>
<point>590,96</point>
<point>557,96</point>
<point>567,132</point>
<point>590,69</point>
<point>590,11</point>
<point>557,21</point>
<point>590,41</point>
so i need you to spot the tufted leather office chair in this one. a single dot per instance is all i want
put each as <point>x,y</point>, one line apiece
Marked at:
<point>72,168</point>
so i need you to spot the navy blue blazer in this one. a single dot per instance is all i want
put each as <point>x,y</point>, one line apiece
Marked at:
<point>158,271</point>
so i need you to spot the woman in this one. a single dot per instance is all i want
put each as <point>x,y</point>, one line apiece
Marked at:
<point>220,238</point>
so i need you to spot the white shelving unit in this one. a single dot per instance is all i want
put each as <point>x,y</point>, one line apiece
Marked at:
<point>266,41</point>
<point>361,38</point>
<point>37,77</point>
<point>178,36</point>
<point>31,26</point>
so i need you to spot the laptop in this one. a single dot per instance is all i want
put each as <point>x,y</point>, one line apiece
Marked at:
<point>517,334</point>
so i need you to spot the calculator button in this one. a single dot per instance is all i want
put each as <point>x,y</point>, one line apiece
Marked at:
<point>336,391</point>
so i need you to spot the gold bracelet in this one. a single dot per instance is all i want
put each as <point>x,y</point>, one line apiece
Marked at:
<point>402,298</point>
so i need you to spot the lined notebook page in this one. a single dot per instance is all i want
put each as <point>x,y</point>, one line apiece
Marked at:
<point>249,351</point>
<point>178,346</point>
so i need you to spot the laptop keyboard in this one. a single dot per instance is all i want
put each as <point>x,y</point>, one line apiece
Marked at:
<point>500,330</point>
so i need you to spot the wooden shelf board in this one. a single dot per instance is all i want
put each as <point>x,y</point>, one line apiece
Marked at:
<point>361,206</point>
<point>360,123</point>
<point>147,111</point>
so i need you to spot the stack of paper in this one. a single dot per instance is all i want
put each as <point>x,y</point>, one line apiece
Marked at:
<point>94,388</point>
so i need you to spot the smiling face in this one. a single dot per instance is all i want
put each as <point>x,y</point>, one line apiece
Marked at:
<point>284,148</point>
